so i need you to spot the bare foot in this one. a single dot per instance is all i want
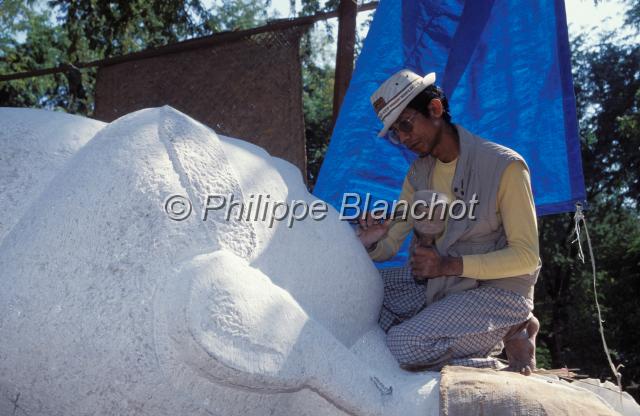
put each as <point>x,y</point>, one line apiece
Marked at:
<point>520,345</point>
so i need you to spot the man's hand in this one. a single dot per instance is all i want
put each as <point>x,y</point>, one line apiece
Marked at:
<point>370,230</point>
<point>427,263</point>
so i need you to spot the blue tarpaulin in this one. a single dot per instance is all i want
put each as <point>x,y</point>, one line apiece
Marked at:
<point>505,68</point>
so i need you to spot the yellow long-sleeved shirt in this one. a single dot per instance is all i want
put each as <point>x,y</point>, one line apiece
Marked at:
<point>516,209</point>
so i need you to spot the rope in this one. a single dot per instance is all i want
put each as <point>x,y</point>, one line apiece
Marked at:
<point>579,218</point>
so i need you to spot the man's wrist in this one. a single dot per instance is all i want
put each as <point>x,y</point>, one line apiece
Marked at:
<point>452,266</point>
<point>372,247</point>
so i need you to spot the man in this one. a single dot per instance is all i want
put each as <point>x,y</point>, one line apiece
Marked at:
<point>481,272</point>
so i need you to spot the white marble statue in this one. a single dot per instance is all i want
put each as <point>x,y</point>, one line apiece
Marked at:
<point>108,306</point>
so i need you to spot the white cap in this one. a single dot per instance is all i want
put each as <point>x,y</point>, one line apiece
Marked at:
<point>395,93</point>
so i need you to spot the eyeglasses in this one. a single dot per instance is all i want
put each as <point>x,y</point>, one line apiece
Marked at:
<point>405,126</point>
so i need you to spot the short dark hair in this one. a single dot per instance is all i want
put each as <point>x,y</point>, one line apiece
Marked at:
<point>421,102</point>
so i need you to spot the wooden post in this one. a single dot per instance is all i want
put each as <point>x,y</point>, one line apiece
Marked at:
<point>347,12</point>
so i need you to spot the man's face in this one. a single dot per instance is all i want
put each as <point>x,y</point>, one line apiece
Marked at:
<point>424,135</point>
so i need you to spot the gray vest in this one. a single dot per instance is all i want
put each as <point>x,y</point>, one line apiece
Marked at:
<point>478,171</point>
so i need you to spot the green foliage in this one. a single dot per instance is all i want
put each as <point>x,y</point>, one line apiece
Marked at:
<point>607,85</point>
<point>41,47</point>
<point>98,29</point>
<point>317,98</point>
<point>543,356</point>
<point>633,13</point>
<point>89,30</point>
<point>318,82</point>
<point>237,14</point>
<point>607,82</point>
<point>318,108</point>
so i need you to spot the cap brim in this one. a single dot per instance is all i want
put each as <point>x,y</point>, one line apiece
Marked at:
<point>428,79</point>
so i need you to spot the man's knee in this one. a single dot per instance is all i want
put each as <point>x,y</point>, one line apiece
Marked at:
<point>398,278</point>
<point>407,346</point>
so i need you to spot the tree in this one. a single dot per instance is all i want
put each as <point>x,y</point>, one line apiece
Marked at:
<point>607,87</point>
<point>318,110</point>
<point>89,30</point>
<point>41,47</point>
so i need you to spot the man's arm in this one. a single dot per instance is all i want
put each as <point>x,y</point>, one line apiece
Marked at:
<point>518,212</point>
<point>388,246</point>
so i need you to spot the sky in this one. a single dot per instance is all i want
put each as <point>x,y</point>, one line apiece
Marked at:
<point>583,14</point>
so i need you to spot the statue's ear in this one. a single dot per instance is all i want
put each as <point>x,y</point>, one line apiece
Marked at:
<point>226,319</point>
<point>222,320</point>
<point>239,317</point>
